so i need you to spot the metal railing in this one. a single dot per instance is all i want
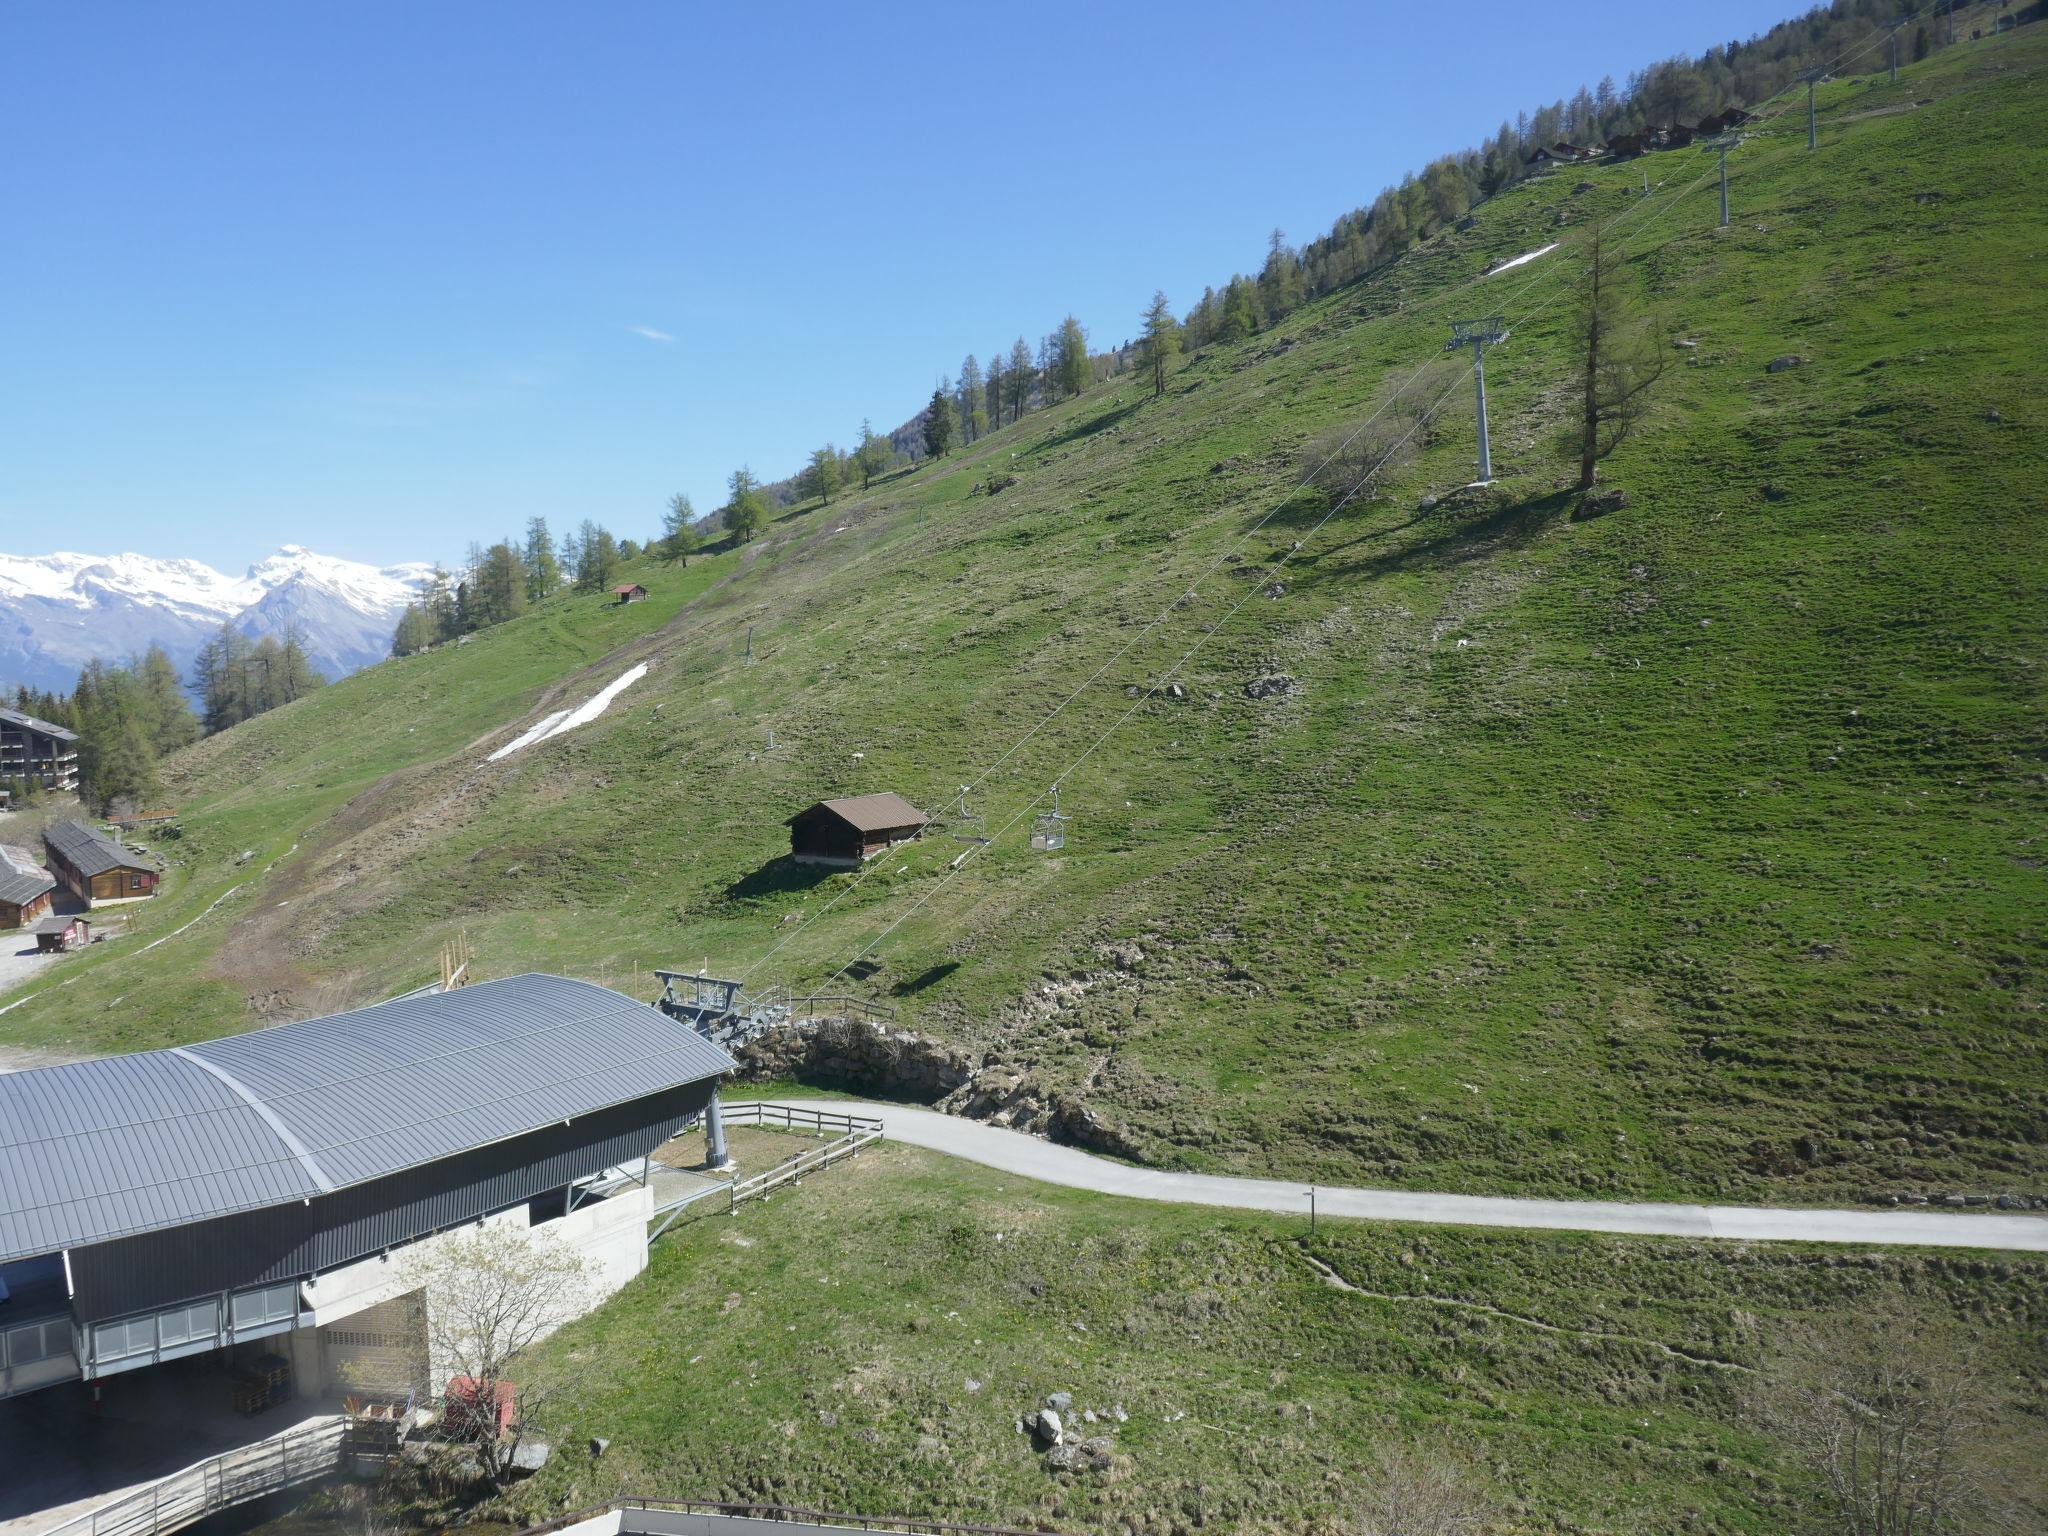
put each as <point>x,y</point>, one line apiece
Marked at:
<point>910,1525</point>
<point>299,1455</point>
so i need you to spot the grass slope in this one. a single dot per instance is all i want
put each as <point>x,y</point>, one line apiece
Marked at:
<point>868,1343</point>
<point>1689,851</point>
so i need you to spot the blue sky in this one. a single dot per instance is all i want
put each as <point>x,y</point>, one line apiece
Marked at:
<point>385,278</point>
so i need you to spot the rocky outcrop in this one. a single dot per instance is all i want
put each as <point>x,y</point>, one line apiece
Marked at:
<point>868,1058</point>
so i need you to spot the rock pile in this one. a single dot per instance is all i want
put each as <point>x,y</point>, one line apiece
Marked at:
<point>1066,1447</point>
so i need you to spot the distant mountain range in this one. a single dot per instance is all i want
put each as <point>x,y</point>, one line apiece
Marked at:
<point>58,611</point>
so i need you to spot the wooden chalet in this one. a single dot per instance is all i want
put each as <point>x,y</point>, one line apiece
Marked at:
<point>1721,122</point>
<point>25,887</point>
<point>54,935</point>
<point>95,867</point>
<point>37,752</point>
<point>848,832</point>
<point>631,592</point>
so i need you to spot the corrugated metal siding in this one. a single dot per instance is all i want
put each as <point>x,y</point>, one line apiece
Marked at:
<point>159,1269</point>
<point>95,1150</point>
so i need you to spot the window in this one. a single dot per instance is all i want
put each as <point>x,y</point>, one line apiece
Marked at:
<point>273,1304</point>
<point>186,1325</point>
<point>120,1341</point>
<point>135,882</point>
<point>38,1341</point>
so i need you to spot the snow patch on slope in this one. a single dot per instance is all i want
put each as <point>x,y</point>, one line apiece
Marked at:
<point>565,720</point>
<point>1523,259</point>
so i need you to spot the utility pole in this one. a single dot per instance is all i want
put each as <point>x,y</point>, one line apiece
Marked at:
<point>750,645</point>
<point>1724,142</point>
<point>1895,55</point>
<point>1812,77</point>
<point>1479,335</point>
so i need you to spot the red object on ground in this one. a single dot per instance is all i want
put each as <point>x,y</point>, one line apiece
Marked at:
<point>461,1404</point>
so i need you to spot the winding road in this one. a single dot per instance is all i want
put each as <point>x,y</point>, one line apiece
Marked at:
<point>1032,1158</point>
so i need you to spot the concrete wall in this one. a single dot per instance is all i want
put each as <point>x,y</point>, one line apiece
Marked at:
<point>373,1295</point>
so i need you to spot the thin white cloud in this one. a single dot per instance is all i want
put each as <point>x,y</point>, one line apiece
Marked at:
<point>650,333</point>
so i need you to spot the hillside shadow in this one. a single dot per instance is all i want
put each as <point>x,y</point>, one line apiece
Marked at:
<point>1457,536</point>
<point>782,876</point>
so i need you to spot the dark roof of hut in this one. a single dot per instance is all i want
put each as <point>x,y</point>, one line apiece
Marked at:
<point>871,813</point>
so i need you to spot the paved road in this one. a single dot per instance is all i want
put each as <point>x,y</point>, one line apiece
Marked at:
<point>1032,1158</point>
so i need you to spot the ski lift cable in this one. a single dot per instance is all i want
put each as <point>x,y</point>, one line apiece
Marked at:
<point>1547,276</point>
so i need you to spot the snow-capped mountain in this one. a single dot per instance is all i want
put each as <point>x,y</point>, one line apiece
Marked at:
<point>58,611</point>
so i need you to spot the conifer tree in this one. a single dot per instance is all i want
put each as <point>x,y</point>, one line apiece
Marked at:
<point>1071,357</point>
<point>167,713</point>
<point>973,413</point>
<point>746,513</point>
<point>543,570</point>
<point>821,477</point>
<point>873,456</point>
<point>1619,359</point>
<point>938,422</point>
<point>1018,377</point>
<point>679,529</point>
<point>1161,341</point>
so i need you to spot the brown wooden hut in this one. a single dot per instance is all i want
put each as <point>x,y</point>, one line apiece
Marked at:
<point>631,592</point>
<point>95,867</point>
<point>850,831</point>
<point>25,887</point>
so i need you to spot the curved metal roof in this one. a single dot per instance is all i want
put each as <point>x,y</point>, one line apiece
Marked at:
<point>116,1145</point>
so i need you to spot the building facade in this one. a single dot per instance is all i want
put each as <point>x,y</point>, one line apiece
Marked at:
<point>37,752</point>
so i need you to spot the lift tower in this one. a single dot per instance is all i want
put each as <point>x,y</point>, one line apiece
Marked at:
<point>1479,335</point>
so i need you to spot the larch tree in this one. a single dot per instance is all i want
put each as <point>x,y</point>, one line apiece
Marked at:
<point>1071,357</point>
<point>1018,377</point>
<point>543,570</point>
<point>166,711</point>
<point>973,412</point>
<point>821,477</point>
<point>992,389</point>
<point>678,529</point>
<point>1160,342</point>
<point>746,510</point>
<point>873,456</point>
<point>1619,359</point>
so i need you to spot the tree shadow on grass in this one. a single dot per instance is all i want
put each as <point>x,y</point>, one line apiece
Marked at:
<point>783,876</point>
<point>1087,426</point>
<point>1457,535</point>
<point>926,978</point>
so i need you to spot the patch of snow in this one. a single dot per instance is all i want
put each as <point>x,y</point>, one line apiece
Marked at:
<point>566,720</point>
<point>1527,256</point>
<point>548,723</point>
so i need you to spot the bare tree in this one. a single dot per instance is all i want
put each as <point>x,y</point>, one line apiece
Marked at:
<point>1619,357</point>
<point>493,1292</point>
<point>1409,1491</point>
<point>1906,1429</point>
<point>1351,454</point>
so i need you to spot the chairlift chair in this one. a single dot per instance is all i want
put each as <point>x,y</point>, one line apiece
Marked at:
<point>967,827</point>
<point>1049,828</point>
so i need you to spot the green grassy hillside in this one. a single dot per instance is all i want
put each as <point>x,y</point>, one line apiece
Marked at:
<point>1596,1384</point>
<point>1690,850</point>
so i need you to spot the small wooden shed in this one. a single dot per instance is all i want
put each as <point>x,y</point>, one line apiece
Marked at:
<point>849,831</point>
<point>54,935</point>
<point>631,592</point>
